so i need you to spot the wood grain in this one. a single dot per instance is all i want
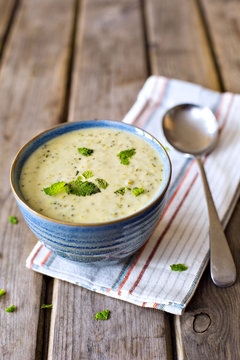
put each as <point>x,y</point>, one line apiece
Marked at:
<point>110,66</point>
<point>177,42</point>
<point>6,13</point>
<point>109,70</point>
<point>180,46</point>
<point>223,23</point>
<point>131,332</point>
<point>32,90</point>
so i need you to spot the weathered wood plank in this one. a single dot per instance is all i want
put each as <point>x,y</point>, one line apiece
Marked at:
<point>182,49</point>
<point>110,63</point>
<point>210,327</point>
<point>109,70</point>
<point>131,332</point>
<point>6,11</point>
<point>32,91</point>
<point>177,42</point>
<point>222,19</point>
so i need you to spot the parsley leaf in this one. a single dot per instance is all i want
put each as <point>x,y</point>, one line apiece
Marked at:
<point>87,174</point>
<point>11,308</point>
<point>102,315</point>
<point>178,267</point>
<point>44,306</point>
<point>120,191</point>
<point>13,219</point>
<point>82,188</point>
<point>2,292</point>
<point>85,151</point>
<point>137,191</point>
<point>55,188</point>
<point>102,183</point>
<point>125,155</point>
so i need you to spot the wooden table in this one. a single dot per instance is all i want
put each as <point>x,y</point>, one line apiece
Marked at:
<point>86,59</point>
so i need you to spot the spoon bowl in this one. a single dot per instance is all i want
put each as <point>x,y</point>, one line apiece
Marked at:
<point>193,130</point>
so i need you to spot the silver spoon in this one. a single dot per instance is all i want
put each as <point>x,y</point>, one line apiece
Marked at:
<point>193,130</point>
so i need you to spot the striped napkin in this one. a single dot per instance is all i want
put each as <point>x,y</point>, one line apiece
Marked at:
<point>146,279</point>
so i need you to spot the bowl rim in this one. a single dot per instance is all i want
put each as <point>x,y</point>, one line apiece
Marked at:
<point>96,224</point>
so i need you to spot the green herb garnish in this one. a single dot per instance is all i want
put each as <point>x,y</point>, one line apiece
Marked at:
<point>2,292</point>
<point>13,219</point>
<point>102,183</point>
<point>87,174</point>
<point>178,267</point>
<point>137,191</point>
<point>102,315</point>
<point>11,308</point>
<point>166,148</point>
<point>85,151</point>
<point>125,155</point>
<point>44,306</point>
<point>120,191</point>
<point>55,188</point>
<point>82,188</point>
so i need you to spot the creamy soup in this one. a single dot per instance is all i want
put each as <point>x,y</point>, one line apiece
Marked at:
<point>92,175</point>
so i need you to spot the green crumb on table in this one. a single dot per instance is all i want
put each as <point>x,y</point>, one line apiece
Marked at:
<point>102,183</point>
<point>87,174</point>
<point>102,315</point>
<point>120,191</point>
<point>2,292</point>
<point>44,306</point>
<point>13,219</point>
<point>137,191</point>
<point>125,155</point>
<point>85,151</point>
<point>55,188</point>
<point>178,267</point>
<point>11,308</point>
<point>82,188</point>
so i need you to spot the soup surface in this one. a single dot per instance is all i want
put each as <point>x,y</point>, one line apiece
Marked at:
<point>92,175</point>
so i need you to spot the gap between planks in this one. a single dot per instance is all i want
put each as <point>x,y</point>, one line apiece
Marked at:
<point>10,23</point>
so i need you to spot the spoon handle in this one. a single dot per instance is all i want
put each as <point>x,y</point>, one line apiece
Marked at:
<point>222,267</point>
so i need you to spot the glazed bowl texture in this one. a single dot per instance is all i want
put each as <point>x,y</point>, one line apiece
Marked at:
<point>106,241</point>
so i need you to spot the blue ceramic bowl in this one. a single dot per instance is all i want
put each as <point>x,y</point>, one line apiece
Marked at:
<point>105,241</point>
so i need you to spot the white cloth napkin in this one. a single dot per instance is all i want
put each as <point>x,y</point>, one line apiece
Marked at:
<point>146,279</point>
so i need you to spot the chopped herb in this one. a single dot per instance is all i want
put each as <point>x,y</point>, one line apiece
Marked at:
<point>102,183</point>
<point>44,306</point>
<point>125,155</point>
<point>102,315</point>
<point>120,191</point>
<point>85,151</point>
<point>11,308</point>
<point>77,172</point>
<point>87,174</point>
<point>82,188</point>
<point>166,148</point>
<point>137,191</point>
<point>55,188</point>
<point>178,267</point>
<point>2,292</point>
<point>13,219</point>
